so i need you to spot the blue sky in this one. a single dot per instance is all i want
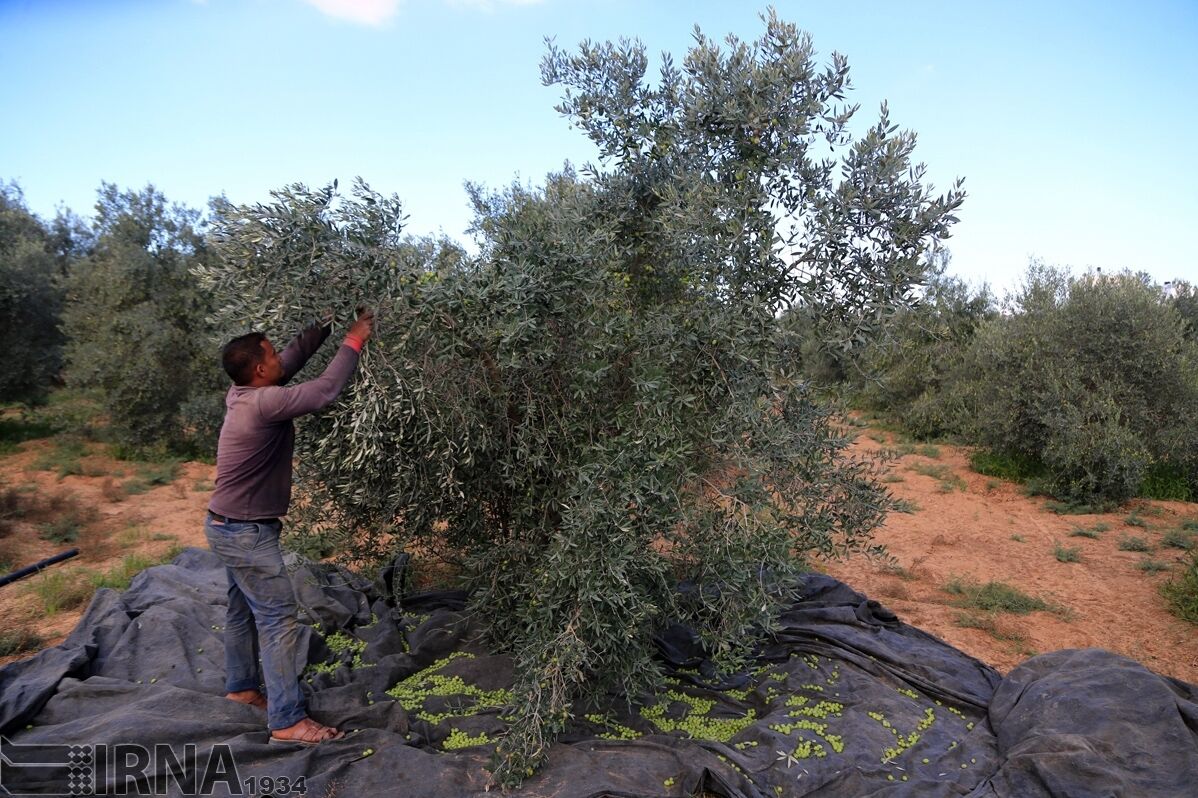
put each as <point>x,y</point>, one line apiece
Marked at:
<point>1074,124</point>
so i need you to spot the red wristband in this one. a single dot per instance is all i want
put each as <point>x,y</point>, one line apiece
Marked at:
<point>355,343</point>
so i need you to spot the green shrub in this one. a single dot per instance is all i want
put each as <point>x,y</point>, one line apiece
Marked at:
<point>603,401</point>
<point>1079,532</point>
<point>1093,377</point>
<point>1152,566</point>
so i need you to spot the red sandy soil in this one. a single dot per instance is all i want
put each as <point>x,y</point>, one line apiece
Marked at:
<point>987,531</point>
<point>991,531</point>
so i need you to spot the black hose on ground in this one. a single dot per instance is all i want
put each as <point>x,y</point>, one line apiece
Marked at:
<point>37,566</point>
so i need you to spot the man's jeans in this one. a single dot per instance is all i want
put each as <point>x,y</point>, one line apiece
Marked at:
<point>262,609</point>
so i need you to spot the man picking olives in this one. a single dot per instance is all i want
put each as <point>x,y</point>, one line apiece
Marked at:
<point>253,490</point>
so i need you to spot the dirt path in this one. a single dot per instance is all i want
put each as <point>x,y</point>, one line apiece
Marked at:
<point>964,526</point>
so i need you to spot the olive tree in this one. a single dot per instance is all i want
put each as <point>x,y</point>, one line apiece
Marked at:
<point>1092,377</point>
<point>30,301</point>
<point>137,324</point>
<point>602,403</point>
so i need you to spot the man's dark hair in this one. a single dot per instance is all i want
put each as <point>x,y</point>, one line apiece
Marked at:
<point>241,355</point>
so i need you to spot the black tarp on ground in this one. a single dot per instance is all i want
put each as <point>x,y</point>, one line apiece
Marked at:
<point>848,701</point>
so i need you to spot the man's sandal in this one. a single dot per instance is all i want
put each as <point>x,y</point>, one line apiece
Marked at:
<point>311,733</point>
<point>258,701</point>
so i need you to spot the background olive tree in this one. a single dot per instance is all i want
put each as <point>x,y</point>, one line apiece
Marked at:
<point>137,327</point>
<point>1095,379</point>
<point>31,265</point>
<point>602,402</point>
<point>912,375</point>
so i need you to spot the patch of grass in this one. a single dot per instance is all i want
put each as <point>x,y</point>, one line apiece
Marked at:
<point>992,484</point>
<point>119,577</point>
<point>1082,532</point>
<point>12,507</point>
<point>135,486</point>
<point>895,569</point>
<point>65,457</point>
<point>1152,566</point>
<point>1181,591</point>
<point>1178,539</point>
<point>894,478</point>
<point>993,597</point>
<point>904,506</point>
<point>1012,467</point>
<point>59,517</point>
<point>60,530</point>
<point>1135,520</point>
<point>921,449</point>
<point>130,536</point>
<point>1067,553</point>
<point>18,641</point>
<point>163,473</point>
<point>162,536</point>
<point>61,590</point>
<point>1017,538</point>
<point>1101,526</point>
<point>1190,525</point>
<point>987,624</point>
<point>1132,543</point>
<point>204,486</point>
<point>933,470</point>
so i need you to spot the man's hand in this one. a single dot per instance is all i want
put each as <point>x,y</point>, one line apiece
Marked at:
<point>364,325</point>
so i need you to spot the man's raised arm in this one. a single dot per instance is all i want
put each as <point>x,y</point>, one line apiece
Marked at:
<point>277,403</point>
<point>303,346</point>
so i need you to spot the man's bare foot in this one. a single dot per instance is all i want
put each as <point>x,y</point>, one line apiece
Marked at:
<point>251,697</point>
<point>306,732</point>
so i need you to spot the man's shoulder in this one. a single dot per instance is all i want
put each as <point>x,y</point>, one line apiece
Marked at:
<point>244,400</point>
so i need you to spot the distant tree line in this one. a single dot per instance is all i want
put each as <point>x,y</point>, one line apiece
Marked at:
<point>1086,387</point>
<point>112,306</point>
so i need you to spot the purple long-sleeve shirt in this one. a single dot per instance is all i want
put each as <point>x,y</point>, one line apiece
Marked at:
<point>253,455</point>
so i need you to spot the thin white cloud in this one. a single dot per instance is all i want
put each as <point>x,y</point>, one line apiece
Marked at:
<point>489,5</point>
<point>364,12</point>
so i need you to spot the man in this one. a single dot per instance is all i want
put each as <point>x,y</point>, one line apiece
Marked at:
<point>253,489</point>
